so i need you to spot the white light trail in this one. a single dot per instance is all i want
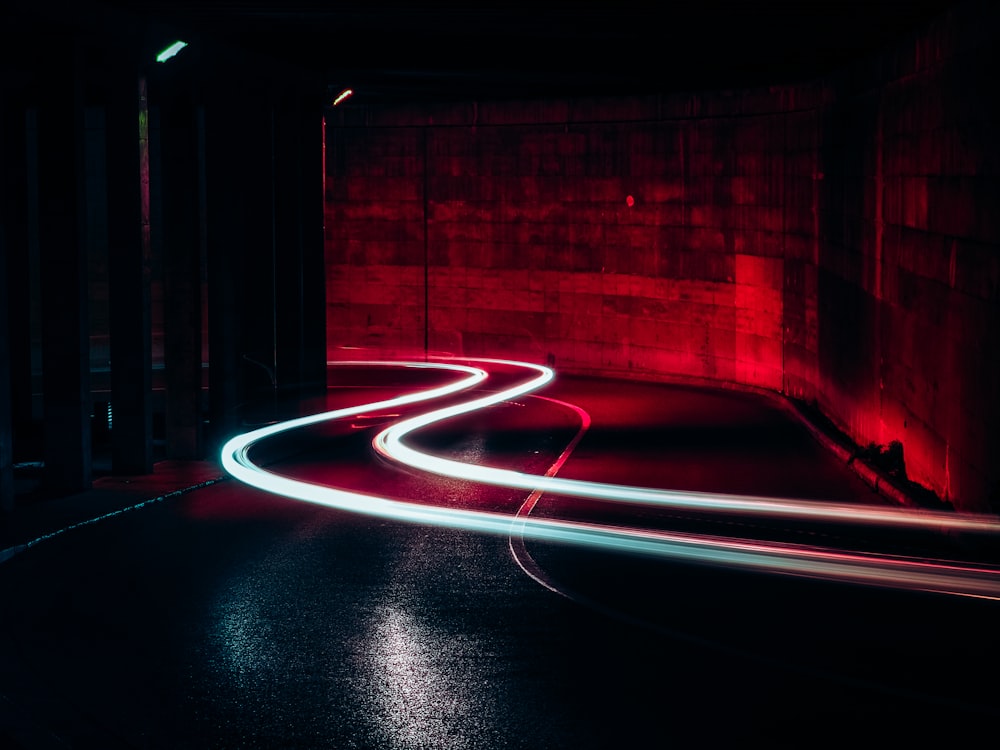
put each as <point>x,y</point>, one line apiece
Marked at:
<point>234,452</point>
<point>389,443</point>
<point>756,555</point>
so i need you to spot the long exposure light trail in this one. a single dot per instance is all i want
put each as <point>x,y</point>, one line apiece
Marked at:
<point>389,443</point>
<point>756,555</point>
<point>516,543</point>
<point>235,450</point>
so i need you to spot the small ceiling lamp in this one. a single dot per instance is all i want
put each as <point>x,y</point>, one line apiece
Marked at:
<point>170,51</point>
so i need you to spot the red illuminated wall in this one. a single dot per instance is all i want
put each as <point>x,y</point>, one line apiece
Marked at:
<point>532,249</point>
<point>908,255</point>
<point>834,241</point>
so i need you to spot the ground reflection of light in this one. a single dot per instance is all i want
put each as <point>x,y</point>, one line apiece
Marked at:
<point>245,637</point>
<point>756,555</point>
<point>417,701</point>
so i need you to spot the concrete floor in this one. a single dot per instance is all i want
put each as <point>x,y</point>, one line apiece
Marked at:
<point>228,617</point>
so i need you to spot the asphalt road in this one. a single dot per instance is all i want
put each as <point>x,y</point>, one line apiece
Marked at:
<point>229,617</point>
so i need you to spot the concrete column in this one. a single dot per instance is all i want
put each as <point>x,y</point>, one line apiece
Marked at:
<point>6,421</point>
<point>312,201</point>
<point>180,135</point>
<point>14,173</point>
<point>239,257</point>
<point>129,270</point>
<point>264,209</point>
<point>61,237</point>
<point>6,411</point>
<point>300,286</point>
<point>15,341</point>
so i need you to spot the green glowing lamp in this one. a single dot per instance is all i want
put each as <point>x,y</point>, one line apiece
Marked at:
<point>170,51</point>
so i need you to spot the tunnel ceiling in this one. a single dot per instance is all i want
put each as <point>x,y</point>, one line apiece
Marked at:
<point>400,51</point>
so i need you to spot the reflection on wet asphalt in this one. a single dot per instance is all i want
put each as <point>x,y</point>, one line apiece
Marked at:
<point>229,618</point>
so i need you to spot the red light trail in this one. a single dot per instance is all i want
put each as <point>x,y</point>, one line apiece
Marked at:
<point>945,577</point>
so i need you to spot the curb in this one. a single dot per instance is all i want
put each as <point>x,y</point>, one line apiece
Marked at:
<point>9,552</point>
<point>878,481</point>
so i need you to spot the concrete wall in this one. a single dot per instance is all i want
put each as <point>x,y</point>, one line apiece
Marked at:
<point>909,224</point>
<point>613,234</point>
<point>835,241</point>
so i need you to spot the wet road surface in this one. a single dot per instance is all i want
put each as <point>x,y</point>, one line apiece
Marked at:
<point>229,617</point>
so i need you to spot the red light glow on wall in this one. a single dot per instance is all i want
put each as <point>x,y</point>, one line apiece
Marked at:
<point>822,244</point>
<point>943,577</point>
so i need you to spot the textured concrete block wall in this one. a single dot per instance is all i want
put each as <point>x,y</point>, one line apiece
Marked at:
<point>800,291</point>
<point>374,228</point>
<point>908,264</point>
<point>633,235</point>
<point>836,241</point>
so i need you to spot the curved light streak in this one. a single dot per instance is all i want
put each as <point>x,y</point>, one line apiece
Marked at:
<point>518,549</point>
<point>235,458</point>
<point>389,443</point>
<point>793,560</point>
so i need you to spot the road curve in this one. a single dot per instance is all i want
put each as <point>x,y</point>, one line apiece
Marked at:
<point>937,576</point>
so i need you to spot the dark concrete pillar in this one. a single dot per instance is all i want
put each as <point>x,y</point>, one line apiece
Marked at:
<point>239,258</point>
<point>6,411</point>
<point>6,420</point>
<point>129,271</point>
<point>180,136</point>
<point>63,268</point>
<point>15,352</point>
<point>311,180</point>
<point>14,173</point>
<point>264,211</point>
<point>299,276</point>
<point>222,223</point>
<point>259,257</point>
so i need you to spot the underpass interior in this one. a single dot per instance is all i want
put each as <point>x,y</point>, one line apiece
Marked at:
<point>416,377</point>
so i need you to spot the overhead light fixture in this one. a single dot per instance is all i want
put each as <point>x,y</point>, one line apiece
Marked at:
<point>170,51</point>
<point>345,94</point>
